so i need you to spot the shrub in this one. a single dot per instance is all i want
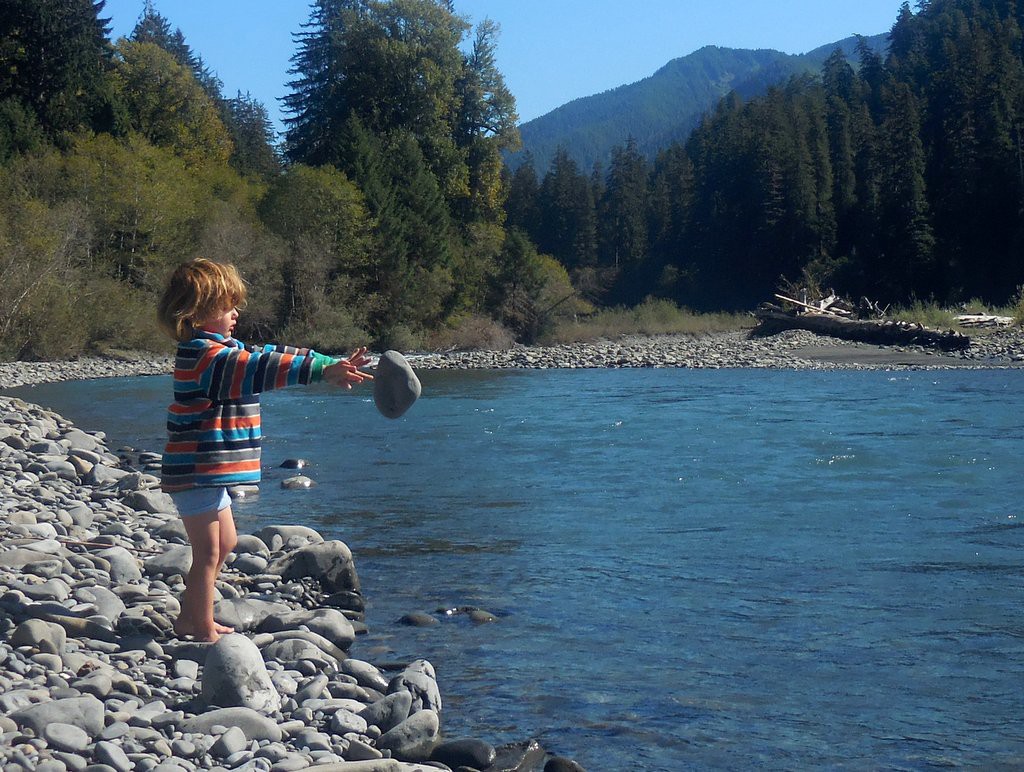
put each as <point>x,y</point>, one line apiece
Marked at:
<point>469,333</point>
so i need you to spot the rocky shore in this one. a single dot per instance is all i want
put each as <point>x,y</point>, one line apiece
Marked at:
<point>92,559</point>
<point>92,677</point>
<point>794,349</point>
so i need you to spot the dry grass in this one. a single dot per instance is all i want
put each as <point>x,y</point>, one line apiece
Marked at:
<point>652,317</point>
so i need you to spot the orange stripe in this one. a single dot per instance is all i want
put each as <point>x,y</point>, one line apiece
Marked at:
<point>283,368</point>
<point>239,422</point>
<point>237,466</point>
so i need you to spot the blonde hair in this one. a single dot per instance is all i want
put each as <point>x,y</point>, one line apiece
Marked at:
<point>197,290</point>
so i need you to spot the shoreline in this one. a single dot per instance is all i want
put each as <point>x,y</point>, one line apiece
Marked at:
<point>790,350</point>
<point>92,560</point>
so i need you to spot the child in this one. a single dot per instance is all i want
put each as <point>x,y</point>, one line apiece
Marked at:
<point>214,421</point>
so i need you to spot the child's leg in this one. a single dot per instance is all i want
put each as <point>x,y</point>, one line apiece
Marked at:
<point>196,617</point>
<point>228,538</point>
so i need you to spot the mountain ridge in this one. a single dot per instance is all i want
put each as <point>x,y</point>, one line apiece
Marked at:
<point>666,105</point>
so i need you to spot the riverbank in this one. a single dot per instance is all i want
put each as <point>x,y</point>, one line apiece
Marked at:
<point>794,349</point>
<point>92,557</point>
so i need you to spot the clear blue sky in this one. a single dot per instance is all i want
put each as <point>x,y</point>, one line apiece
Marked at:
<point>550,51</point>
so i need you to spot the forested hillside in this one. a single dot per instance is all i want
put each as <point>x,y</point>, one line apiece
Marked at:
<point>666,106</point>
<point>898,177</point>
<point>380,219</point>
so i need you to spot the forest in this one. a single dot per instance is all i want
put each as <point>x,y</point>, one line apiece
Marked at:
<point>387,215</point>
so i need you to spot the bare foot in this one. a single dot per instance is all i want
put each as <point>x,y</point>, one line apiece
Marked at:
<point>182,628</point>
<point>223,629</point>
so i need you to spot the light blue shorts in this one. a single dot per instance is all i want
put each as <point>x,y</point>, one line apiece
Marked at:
<point>196,501</point>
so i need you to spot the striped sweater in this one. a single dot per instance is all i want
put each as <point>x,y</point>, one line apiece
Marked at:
<point>214,422</point>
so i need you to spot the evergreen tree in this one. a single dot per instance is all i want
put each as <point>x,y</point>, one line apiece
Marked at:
<point>568,226</point>
<point>54,60</point>
<point>623,222</point>
<point>253,137</point>
<point>906,265</point>
<point>521,205</point>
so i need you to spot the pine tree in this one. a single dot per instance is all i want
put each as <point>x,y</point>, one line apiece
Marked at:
<point>253,137</point>
<point>568,227</point>
<point>54,61</point>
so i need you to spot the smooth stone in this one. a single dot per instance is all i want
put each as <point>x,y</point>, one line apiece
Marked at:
<point>395,385</point>
<point>344,721</point>
<point>330,623</point>
<point>171,530</point>
<point>51,589</point>
<point>254,725</point>
<point>19,558</point>
<point>248,544</point>
<point>250,564</point>
<point>66,737</point>
<point>420,681</point>
<point>176,559</point>
<point>389,712</point>
<point>98,683</point>
<point>366,675</point>
<point>414,739</point>
<point>48,637</point>
<point>297,483</point>
<point>84,712</point>
<point>480,616</point>
<point>101,475</point>
<point>283,534</point>
<point>465,753</point>
<point>244,614</point>
<point>112,755</point>
<point>155,502</point>
<point>108,603</point>
<point>229,743</point>
<point>330,563</point>
<point>291,650</point>
<point>235,676</point>
<point>418,619</point>
<point>124,568</point>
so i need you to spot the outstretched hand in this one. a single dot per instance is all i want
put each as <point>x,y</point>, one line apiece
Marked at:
<point>346,372</point>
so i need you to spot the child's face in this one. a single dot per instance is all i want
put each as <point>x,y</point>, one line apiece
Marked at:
<point>221,322</point>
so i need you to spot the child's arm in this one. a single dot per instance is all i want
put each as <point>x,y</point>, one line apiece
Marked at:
<point>231,373</point>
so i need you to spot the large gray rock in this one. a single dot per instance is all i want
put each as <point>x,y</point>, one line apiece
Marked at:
<point>395,385</point>
<point>389,712</point>
<point>107,603</point>
<point>328,622</point>
<point>420,681</point>
<point>101,475</point>
<point>48,637</point>
<point>330,563</point>
<point>174,560</point>
<point>290,650</point>
<point>476,754</point>
<point>235,676</point>
<point>366,675</point>
<point>252,724</point>
<point>84,712</point>
<point>246,614</point>
<point>123,565</point>
<point>414,739</point>
<point>277,536</point>
<point>152,501</point>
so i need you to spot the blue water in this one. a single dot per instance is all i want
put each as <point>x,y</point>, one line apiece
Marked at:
<point>692,569</point>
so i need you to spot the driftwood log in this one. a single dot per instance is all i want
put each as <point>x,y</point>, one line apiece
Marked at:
<point>772,319</point>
